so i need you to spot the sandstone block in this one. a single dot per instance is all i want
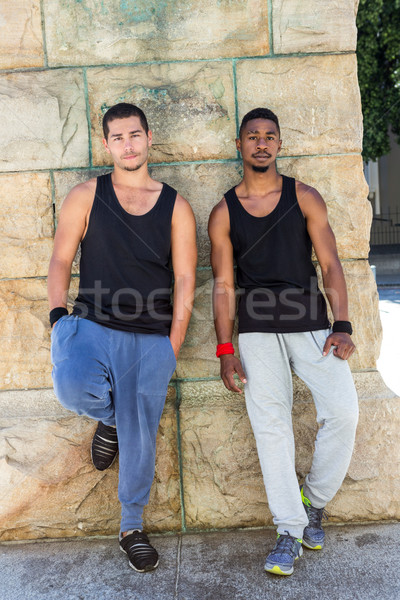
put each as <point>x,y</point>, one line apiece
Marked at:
<point>89,32</point>
<point>26,225</point>
<point>305,27</point>
<point>363,313</point>
<point>49,488</point>
<point>44,124</point>
<point>203,185</point>
<point>197,357</point>
<point>340,180</point>
<point>316,99</point>
<point>221,474</point>
<point>190,107</point>
<point>222,479</point>
<point>21,42</point>
<point>24,323</point>
<point>19,404</point>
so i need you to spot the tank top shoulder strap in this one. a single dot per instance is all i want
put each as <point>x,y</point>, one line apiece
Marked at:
<point>233,203</point>
<point>104,190</point>
<point>289,190</point>
<point>169,193</point>
<point>166,202</point>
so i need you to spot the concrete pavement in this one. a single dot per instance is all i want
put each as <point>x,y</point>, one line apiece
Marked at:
<point>358,562</point>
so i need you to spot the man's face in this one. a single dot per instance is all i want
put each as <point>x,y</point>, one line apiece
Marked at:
<point>128,143</point>
<point>259,144</point>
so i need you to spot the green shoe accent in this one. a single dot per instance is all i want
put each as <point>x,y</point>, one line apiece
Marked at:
<point>304,499</point>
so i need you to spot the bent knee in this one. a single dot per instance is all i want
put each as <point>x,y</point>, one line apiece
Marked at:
<point>68,387</point>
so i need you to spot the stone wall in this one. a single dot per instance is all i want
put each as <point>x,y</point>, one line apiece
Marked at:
<point>195,68</point>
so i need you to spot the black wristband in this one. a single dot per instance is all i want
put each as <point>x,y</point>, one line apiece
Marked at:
<point>342,327</point>
<point>56,314</point>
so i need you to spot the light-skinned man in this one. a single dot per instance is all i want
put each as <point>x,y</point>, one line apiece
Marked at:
<point>115,354</point>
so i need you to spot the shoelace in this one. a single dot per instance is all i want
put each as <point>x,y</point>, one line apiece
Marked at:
<point>315,516</point>
<point>285,545</point>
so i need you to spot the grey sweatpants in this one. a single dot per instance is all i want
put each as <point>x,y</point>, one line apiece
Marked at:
<point>267,359</point>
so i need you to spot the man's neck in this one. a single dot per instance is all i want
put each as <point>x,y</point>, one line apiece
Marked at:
<point>258,184</point>
<point>134,179</point>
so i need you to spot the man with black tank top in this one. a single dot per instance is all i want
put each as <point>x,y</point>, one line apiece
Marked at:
<point>268,224</point>
<point>114,355</point>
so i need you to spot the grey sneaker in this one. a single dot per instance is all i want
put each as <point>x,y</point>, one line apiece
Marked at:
<point>313,534</point>
<point>286,550</point>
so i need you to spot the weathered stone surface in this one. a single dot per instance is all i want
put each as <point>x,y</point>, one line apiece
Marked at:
<point>33,403</point>
<point>223,484</point>
<point>340,180</point>
<point>316,98</point>
<point>197,356</point>
<point>44,121</point>
<point>21,42</point>
<point>25,330</point>
<point>221,474</point>
<point>26,225</point>
<point>203,185</point>
<point>89,32</point>
<point>49,488</point>
<point>304,26</point>
<point>190,107</point>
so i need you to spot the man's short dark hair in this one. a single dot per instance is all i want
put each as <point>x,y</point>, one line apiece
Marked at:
<point>123,110</point>
<point>259,113</point>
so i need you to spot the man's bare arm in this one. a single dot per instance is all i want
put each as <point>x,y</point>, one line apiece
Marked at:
<point>71,228</point>
<point>224,304</point>
<point>184,260</point>
<point>323,240</point>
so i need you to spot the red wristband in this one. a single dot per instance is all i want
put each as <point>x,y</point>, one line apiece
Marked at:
<point>225,349</point>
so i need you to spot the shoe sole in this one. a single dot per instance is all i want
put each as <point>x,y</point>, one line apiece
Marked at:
<point>146,569</point>
<point>276,570</point>
<point>317,547</point>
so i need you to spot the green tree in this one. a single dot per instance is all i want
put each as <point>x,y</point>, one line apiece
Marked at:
<point>378,56</point>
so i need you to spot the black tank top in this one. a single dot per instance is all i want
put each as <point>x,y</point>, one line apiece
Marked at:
<point>125,274</point>
<point>278,289</point>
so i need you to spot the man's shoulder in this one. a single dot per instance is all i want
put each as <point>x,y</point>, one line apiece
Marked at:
<point>219,221</point>
<point>85,187</point>
<point>306,190</point>
<point>81,195</point>
<point>220,209</point>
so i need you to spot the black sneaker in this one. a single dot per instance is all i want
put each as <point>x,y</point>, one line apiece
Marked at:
<point>104,446</point>
<point>142,556</point>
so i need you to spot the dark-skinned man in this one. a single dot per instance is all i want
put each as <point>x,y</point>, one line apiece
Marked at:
<point>268,224</point>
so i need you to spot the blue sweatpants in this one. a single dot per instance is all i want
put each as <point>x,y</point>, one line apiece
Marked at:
<point>119,378</point>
